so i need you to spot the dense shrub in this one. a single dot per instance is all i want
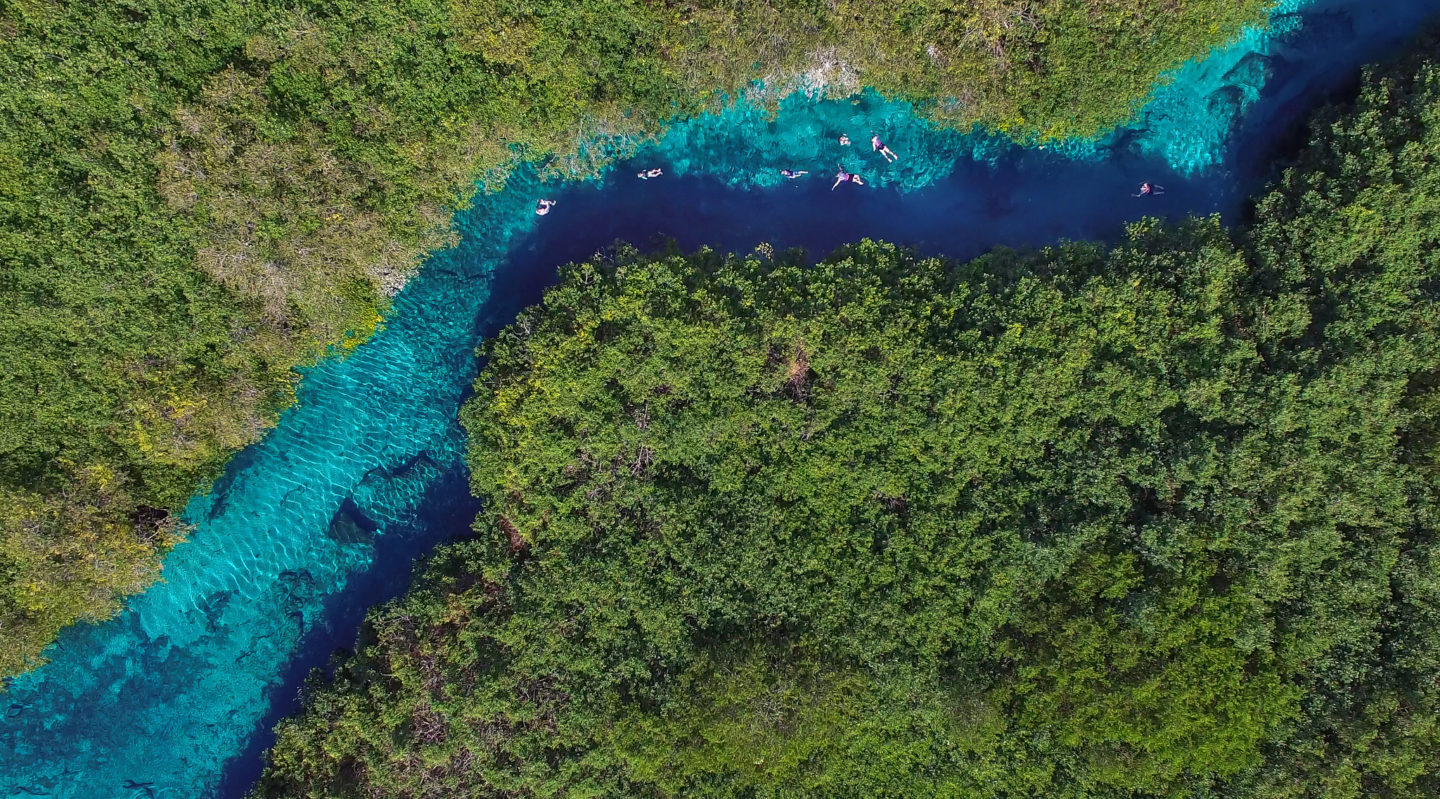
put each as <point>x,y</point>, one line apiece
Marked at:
<point>198,195</point>
<point>1150,521</point>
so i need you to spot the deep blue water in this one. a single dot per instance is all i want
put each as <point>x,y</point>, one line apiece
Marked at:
<point>321,520</point>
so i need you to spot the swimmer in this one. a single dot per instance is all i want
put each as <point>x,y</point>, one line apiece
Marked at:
<point>646,174</point>
<point>1150,190</point>
<point>844,140</point>
<point>879,147</point>
<point>791,174</point>
<point>543,207</point>
<point>845,177</point>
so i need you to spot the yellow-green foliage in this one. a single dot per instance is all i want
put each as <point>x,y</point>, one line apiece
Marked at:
<point>1071,523</point>
<point>68,557</point>
<point>198,195</point>
<point>1158,520</point>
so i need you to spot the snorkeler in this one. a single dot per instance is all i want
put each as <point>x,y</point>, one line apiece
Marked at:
<point>543,207</point>
<point>846,177</point>
<point>1150,190</point>
<point>879,147</point>
<point>646,174</point>
<point>844,140</point>
<point>791,174</point>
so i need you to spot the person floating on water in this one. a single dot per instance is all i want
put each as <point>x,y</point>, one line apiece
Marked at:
<point>844,140</point>
<point>646,174</point>
<point>543,207</point>
<point>879,147</point>
<point>845,177</point>
<point>1150,190</point>
<point>791,174</point>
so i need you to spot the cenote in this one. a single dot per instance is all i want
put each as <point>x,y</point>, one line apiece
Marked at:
<point>325,517</point>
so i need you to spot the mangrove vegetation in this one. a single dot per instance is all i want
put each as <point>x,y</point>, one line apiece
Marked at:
<point>196,196</point>
<point>1150,520</point>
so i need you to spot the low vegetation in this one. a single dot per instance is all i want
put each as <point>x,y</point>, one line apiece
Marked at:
<point>198,195</point>
<point>1156,520</point>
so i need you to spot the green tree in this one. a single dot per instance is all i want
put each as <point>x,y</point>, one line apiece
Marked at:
<point>1155,520</point>
<point>197,196</point>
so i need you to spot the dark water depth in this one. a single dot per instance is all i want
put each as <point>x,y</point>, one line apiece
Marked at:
<point>323,519</point>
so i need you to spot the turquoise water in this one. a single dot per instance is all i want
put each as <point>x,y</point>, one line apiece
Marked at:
<point>324,517</point>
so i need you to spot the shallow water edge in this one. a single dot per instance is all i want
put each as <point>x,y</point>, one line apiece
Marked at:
<point>324,518</point>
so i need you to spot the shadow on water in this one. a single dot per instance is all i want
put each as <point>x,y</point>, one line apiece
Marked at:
<point>1024,198</point>
<point>445,513</point>
<point>323,520</point>
<point>1019,202</point>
